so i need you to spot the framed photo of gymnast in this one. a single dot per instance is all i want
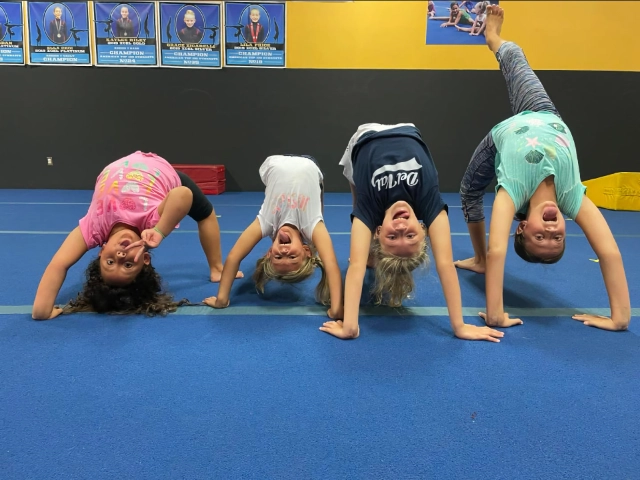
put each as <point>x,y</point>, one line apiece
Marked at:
<point>255,34</point>
<point>59,33</point>
<point>456,22</point>
<point>125,34</point>
<point>11,33</point>
<point>190,35</point>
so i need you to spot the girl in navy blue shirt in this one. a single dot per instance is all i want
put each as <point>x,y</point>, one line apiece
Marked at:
<point>395,187</point>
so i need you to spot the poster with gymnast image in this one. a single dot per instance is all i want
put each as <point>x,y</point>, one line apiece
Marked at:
<point>255,34</point>
<point>59,33</point>
<point>11,34</point>
<point>456,22</point>
<point>190,35</point>
<point>125,34</point>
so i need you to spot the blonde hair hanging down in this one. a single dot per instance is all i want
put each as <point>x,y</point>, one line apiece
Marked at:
<point>393,274</point>
<point>265,272</point>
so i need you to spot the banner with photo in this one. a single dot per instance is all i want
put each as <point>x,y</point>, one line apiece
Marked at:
<point>125,34</point>
<point>456,23</point>
<point>11,34</point>
<point>255,34</point>
<point>190,35</point>
<point>59,33</point>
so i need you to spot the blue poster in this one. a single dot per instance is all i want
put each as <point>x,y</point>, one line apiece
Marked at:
<point>59,33</point>
<point>11,39</point>
<point>190,35</point>
<point>457,22</point>
<point>125,34</point>
<point>255,34</point>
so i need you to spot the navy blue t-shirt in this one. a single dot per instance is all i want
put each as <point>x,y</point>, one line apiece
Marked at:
<point>390,166</point>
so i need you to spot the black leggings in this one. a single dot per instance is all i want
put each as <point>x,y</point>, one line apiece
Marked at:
<point>201,207</point>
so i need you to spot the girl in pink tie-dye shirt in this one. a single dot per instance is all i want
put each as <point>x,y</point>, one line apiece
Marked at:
<point>138,200</point>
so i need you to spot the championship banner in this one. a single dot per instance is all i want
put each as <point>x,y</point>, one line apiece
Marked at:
<point>11,34</point>
<point>59,33</point>
<point>255,34</point>
<point>125,34</point>
<point>190,35</point>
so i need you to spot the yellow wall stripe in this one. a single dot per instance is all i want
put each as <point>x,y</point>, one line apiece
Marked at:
<point>556,35</point>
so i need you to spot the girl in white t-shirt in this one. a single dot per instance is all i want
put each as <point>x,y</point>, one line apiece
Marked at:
<point>479,23</point>
<point>291,215</point>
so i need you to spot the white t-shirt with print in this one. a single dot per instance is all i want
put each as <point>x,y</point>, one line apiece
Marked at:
<point>292,195</point>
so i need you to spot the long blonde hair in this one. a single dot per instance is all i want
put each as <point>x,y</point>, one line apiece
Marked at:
<point>393,274</point>
<point>265,272</point>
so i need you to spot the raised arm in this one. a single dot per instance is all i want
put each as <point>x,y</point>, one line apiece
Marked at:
<point>440,236</point>
<point>173,209</point>
<point>360,245</point>
<point>71,250</point>
<point>599,235</point>
<point>249,239</point>
<point>501,219</point>
<point>322,241</point>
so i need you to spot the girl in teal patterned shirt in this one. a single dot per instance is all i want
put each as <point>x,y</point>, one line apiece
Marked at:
<point>534,158</point>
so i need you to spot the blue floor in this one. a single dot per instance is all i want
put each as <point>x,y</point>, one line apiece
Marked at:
<point>256,391</point>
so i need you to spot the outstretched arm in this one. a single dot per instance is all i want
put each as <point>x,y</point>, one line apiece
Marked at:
<point>501,219</point>
<point>440,236</point>
<point>599,235</point>
<point>71,250</point>
<point>322,240</point>
<point>360,245</point>
<point>249,238</point>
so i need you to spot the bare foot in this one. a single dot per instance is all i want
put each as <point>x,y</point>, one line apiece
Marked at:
<point>472,264</point>
<point>216,275</point>
<point>495,19</point>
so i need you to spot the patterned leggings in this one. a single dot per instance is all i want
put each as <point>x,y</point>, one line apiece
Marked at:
<point>525,93</point>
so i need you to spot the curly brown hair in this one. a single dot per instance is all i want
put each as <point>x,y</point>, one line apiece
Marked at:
<point>144,295</point>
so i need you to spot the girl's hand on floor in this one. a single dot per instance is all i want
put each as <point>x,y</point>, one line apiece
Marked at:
<point>337,330</point>
<point>56,311</point>
<point>472,332</point>
<point>215,303</point>
<point>504,322</point>
<point>598,321</point>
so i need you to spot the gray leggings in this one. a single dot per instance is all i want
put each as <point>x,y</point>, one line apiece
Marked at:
<point>526,93</point>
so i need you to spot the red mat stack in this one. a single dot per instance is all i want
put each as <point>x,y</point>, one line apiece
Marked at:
<point>210,178</point>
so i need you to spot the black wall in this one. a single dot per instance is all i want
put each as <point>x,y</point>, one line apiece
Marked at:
<point>87,117</point>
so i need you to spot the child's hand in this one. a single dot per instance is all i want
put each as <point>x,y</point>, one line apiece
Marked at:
<point>337,330</point>
<point>598,321</point>
<point>503,322</point>
<point>215,303</point>
<point>151,238</point>
<point>471,332</point>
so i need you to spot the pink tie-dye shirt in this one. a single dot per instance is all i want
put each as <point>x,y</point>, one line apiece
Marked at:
<point>128,191</point>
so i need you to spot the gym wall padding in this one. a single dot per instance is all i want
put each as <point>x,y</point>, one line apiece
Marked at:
<point>87,117</point>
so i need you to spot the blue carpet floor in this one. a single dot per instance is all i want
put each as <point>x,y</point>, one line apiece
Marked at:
<point>256,391</point>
